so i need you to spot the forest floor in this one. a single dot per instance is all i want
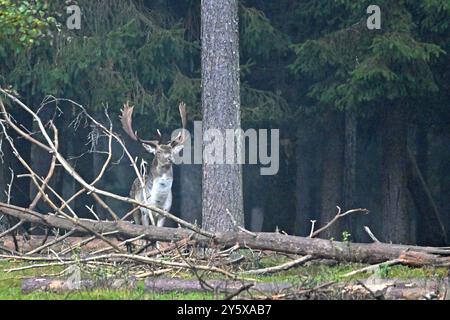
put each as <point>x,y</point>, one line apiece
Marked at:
<point>310,275</point>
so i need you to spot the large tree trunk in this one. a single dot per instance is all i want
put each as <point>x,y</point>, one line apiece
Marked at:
<point>332,177</point>
<point>396,226</point>
<point>222,183</point>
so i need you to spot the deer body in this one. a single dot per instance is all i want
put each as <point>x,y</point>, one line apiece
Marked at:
<point>158,193</point>
<point>157,189</point>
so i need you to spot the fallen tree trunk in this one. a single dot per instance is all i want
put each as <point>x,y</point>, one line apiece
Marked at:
<point>318,248</point>
<point>161,285</point>
<point>384,289</point>
<point>36,241</point>
<point>69,285</point>
<point>397,289</point>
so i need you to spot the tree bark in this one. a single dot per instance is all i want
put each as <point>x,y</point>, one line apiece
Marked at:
<point>431,228</point>
<point>304,158</point>
<point>444,180</point>
<point>349,162</point>
<point>395,218</point>
<point>318,248</point>
<point>66,285</point>
<point>332,178</point>
<point>222,183</point>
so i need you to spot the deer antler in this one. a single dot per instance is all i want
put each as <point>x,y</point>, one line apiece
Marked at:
<point>179,139</point>
<point>126,120</point>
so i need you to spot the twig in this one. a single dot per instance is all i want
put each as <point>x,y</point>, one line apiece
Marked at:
<point>51,170</point>
<point>51,243</point>
<point>127,257</point>
<point>152,273</point>
<point>85,242</point>
<point>120,244</point>
<point>371,235</point>
<point>373,294</point>
<point>373,268</point>
<point>303,291</point>
<point>338,216</point>
<point>313,223</point>
<point>11,229</point>
<point>11,251</point>
<point>281,267</point>
<point>239,291</point>
<point>238,227</point>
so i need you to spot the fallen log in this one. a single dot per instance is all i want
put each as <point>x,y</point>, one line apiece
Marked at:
<point>372,288</point>
<point>318,248</point>
<point>397,289</point>
<point>68,285</point>
<point>161,285</point>
<point>35,241</point>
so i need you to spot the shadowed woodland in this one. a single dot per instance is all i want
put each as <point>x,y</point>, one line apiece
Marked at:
<point>363,116</point>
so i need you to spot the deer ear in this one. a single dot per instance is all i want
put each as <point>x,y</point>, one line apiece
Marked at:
<point>149,148</point>
<point>177,149</point>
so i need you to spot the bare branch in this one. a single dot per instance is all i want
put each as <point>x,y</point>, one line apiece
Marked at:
<point>338,216</point>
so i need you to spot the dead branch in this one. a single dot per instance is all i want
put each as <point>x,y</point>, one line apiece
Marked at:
<point>51,243</point>
<point>338,216</point>
<point>14,227</point>
<point>373,268</point>
<point>50,146</point>
<point>281,267</point>
<point>371,235</point>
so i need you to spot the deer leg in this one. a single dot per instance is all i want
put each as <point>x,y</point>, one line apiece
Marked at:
<point>145,218</point>
<point>137,216</point>
<point>161,221</point>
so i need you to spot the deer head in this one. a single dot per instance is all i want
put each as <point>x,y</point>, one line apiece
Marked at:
<point>163,152</point>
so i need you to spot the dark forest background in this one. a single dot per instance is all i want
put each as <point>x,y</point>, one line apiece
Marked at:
<point>364,115</point>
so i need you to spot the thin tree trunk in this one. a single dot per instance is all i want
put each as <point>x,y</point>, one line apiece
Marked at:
<point>350,166</point>
<point>444,180</point>
<point>395,218</point>
<point>332,178</point>
<point>431,229</point>
<point>222,183</point>
<point>303,189</point>
<point>350,159</point>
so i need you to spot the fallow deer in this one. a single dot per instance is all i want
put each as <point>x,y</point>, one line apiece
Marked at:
<point>158,184</point>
